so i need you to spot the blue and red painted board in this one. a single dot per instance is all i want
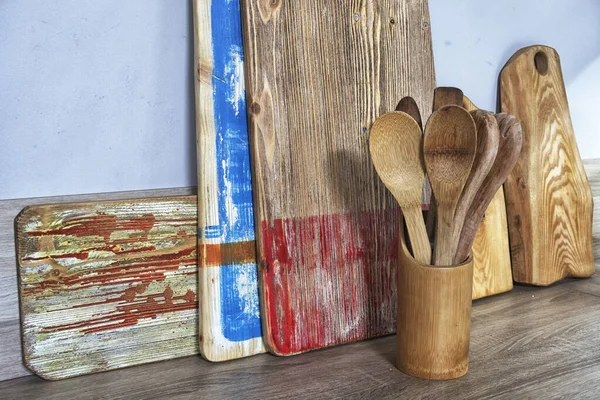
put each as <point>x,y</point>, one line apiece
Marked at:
<point>230,317</point>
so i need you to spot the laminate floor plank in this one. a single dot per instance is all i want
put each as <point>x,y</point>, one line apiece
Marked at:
<point>528,343</point>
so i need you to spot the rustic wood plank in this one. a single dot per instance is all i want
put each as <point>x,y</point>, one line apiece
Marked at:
<point>529,343</point>
<point>548,197</point>
<point>592,169</point>
<point>107,285</point>
<point>9,300</point>
<point>229,308</point>
<point>318,73</point>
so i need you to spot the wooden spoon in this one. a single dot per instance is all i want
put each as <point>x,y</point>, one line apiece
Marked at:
<point>449,149</point>
<point>487,148</point>
<point>509,150</point>
<point>409,106</point>
<point>395,144</point>
<point>442,96</point>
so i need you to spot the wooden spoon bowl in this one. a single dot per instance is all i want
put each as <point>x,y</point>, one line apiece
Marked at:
<point>449,149</point>
<point>395,145</point>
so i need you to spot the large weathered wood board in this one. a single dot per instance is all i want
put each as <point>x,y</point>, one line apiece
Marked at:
<point>229,307</point>
<point>107,285</point>
<point>548,197</point>
<point>318,74</point>
<point>492,272</point>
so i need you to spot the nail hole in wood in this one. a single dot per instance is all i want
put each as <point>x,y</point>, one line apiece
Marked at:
<point>541,62</point>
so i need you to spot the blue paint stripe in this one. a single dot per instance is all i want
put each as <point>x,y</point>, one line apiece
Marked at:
<point>239,290</point>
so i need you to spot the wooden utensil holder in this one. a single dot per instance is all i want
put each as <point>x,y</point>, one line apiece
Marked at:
<point>434,317</point>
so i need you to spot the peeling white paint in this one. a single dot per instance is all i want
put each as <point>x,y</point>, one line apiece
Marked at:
<point>233,213</point>
<point>247,287</point>
<point>234,75</point>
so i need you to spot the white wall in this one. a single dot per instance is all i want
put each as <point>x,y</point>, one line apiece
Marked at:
<point>97,96</point>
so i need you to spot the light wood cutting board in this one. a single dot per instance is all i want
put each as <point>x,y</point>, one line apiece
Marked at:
<point>318,74</point>
<point>107,285</point>
<point>548,197</point>
<point>491,253</point>
<point>229,308</point>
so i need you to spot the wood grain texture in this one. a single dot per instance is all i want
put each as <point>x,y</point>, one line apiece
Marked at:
<point>548,197</point>
<point>318,74</point>
<point>229,308</point>
<point>11,363</point>
<point>107,285</point>
<point>434,318</point>
<point>534,343</point>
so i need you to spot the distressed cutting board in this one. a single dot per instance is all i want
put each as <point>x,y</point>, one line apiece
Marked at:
<point>229,307</point>
<point>318,74</point>
<point>107,285</point>
<point>548,196</point>
<point>491,253</point>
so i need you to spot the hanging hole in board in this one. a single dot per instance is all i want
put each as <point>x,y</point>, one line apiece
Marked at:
<point>541,62</point>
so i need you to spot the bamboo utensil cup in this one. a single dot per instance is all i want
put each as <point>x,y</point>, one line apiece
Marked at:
<point>434,317</point>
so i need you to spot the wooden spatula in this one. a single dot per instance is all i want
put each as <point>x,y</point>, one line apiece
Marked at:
<point>487,148</point>
<point>449,149</point>
<point>509,149</point>
<point>445,96</point>
<point>395,144</point>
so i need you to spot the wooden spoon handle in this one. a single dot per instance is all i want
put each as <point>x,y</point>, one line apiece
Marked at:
<point>417,234</point>
<point>443,235</point>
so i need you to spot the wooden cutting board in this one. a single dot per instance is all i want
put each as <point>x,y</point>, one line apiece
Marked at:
<point>229,308</point>
<point>318,74</point>
<point>107,285</point>
<point>548,197</point>
<point>491,253</point>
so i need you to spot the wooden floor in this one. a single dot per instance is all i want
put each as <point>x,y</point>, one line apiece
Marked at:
<point>529,343</point>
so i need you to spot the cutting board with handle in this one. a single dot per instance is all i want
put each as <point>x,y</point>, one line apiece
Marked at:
<point>107,285</point>
<point>491,252</point>
<point>548,196</point>
<point>228,286</point>
<point>318,74</point>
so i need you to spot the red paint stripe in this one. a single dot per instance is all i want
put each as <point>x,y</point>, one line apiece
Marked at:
<point>304,258</point>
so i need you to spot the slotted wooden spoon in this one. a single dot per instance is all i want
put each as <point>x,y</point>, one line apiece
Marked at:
<point>395,144</point>
<point>449,149</point>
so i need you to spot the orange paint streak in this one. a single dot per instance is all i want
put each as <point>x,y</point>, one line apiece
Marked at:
<point>101,224</point>
<point>228,253</point>
<point>147,269</point>
<point>136,307</point>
